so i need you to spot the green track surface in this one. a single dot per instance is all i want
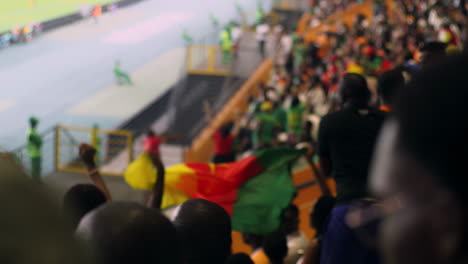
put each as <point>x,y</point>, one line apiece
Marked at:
<point>15,13</point>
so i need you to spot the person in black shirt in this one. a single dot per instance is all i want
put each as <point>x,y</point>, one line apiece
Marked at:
<point>347,138</point>
<point>346,144</point>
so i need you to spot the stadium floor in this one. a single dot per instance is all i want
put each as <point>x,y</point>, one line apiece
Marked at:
<point>65,76</point>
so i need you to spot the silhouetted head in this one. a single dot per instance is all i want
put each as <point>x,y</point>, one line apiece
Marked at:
<point>82,199</point>
<point>420,168</point>
<point>432,52</point>
<point>205,231</point>
<point>295,101</point>
<point>389,84</point>
<point>275,247</point>
<point>150,133</point>
<point>354,90</point>
<point>290,219</point>
<point>226,129</point>
<point>239,258</point>
<point>32,226</point>
<point>33,121</point>
<point>129,233</point>
<point>320,213</point>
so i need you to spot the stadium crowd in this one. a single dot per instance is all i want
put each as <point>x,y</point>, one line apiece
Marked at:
<point>388,89</point>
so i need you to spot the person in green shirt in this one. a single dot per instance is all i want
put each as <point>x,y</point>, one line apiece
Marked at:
<point>34,149</point>
<point>264,134</point>
<point>281,116</point>
<point>295,118</point>
<point>121,76</point>
<point>299,51</point>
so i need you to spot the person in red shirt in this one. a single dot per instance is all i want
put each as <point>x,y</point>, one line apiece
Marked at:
<point>387,64</point>
<point>97,12</point>
<point>152,142</point>
<point>223,144</point>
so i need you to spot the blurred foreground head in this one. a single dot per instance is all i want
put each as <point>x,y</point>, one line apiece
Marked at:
<point>421,170</point>
<point>82,199</point>
<point>239,258</point>
<point>129,233</point>
<point>32,228</point>
<point>205,231</point>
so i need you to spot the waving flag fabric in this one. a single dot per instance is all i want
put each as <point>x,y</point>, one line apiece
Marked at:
<point>253,190</point>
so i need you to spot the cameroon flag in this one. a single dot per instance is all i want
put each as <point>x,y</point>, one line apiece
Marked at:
<point>253,190</point>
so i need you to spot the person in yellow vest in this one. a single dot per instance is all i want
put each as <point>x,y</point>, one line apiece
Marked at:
<point>34,149</point>
<point>259,14</point>
<point>226,45</point>
<point>96,143</point>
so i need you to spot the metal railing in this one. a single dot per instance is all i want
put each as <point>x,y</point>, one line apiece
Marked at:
<point>60,150</point>
<point>208,60</point>
<point>115,149</point>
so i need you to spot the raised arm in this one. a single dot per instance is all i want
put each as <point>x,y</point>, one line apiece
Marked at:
<point>319,175</point>
<point>208,111</point>
<point>87,155</point>
<point>158,190</point>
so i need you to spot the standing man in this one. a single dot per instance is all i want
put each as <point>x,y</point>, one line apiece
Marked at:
<point>34,149</point>
<point>262,32</point>
<point>226,45</point>
<point>260,14</point>
<point>97,12</point>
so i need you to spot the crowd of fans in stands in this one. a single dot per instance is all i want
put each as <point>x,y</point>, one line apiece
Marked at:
<point>392,74</point>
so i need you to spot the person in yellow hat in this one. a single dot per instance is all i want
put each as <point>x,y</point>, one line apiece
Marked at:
<point>34,148</point>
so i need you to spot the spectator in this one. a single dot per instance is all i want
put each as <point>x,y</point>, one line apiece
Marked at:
<point>223,143</point>
<point>389,84</point>
<point>286,46</point>
<point>276,247</point>
<point>419,177</point>
<point>223,138</point>
<point>239,258</point>
<point>205,232</point>
<point>281,116</point>
<point>432,52</point>
<point>318,221</point>
<point>262,30</point>
<point>346,144</point>
<point>295,120</point>
<point>126,232</point>
<point>152,143</point>
<point>296,241</point>
<point>264,133</point>
<point>82,199</point>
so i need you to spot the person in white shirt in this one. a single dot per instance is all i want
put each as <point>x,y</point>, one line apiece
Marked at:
<point>286,45</point>
<point>263,29</point>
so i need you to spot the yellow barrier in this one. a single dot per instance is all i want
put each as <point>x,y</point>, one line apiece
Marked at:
<point>115,149</point>
<point>207,60</point>
<point>201,149</point>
